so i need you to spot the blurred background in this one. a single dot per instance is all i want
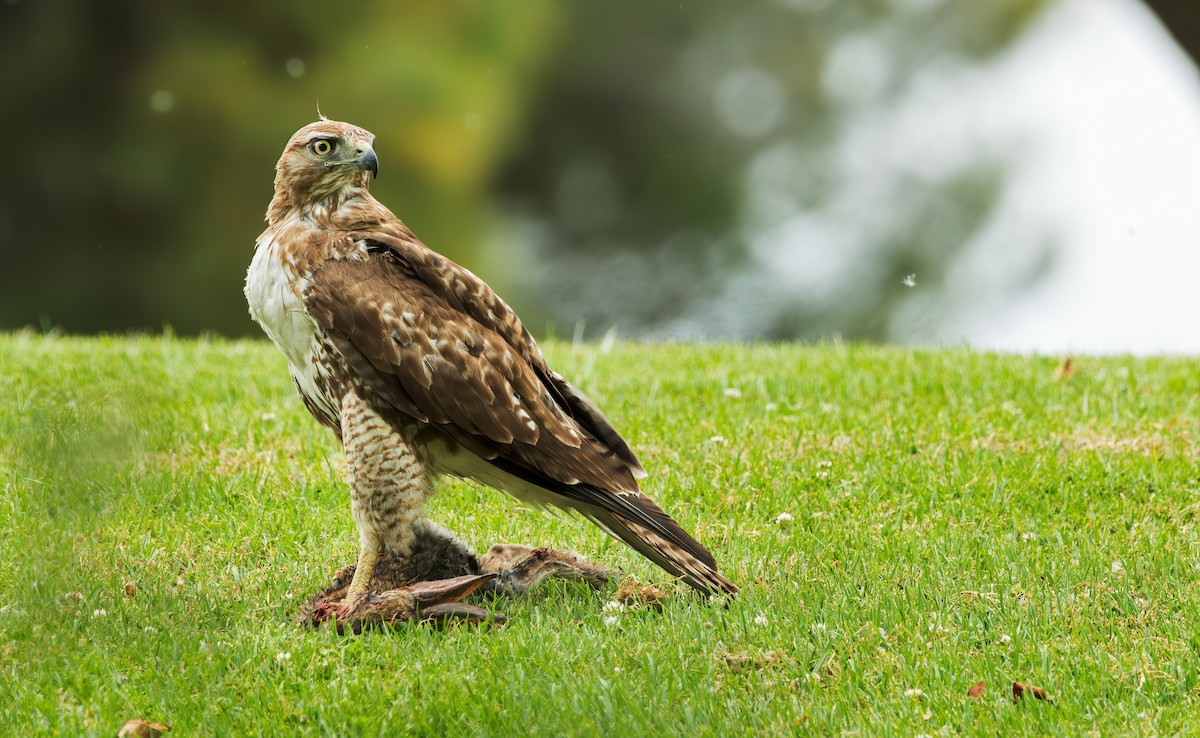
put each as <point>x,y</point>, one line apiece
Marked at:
<point>1013,174</point>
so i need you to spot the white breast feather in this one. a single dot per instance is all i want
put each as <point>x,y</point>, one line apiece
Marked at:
<point>273,290</point>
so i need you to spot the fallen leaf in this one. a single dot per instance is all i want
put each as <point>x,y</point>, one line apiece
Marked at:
<point>977,691</point>
<point>130,589</point>
<point>1020,689</point>
<point>631,594</point>
<point>137,728</point>
<point>1065,369</point>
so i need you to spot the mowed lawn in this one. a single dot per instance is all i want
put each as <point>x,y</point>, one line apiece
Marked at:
<point>904,525</point>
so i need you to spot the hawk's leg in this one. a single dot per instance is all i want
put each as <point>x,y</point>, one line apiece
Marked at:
<point>425,584</point>
<point>388,488</point>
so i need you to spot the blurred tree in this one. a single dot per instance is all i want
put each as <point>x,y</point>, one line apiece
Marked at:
<point>148,135</point>
<point>673,169</point>
<point>699,168</point>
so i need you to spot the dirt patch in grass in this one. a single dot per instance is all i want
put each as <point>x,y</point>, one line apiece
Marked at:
<point>1160,440</point>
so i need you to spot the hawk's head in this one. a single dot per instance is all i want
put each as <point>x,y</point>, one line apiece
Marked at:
<point>325,160</point>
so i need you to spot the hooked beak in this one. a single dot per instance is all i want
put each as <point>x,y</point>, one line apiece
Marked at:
<point>368,162</point>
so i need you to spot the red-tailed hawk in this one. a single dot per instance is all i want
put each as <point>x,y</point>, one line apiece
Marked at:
<point>420,369</point>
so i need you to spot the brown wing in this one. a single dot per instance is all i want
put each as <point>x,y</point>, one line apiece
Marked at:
<point>438,345</point>
<point>465,294</point>
<point>436,364</point>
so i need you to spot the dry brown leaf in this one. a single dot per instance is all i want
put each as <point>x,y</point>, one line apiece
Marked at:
<point>138,728</point>
<point>977,691</point>
<point>1065,369</point>
<point>632,594</point>
<point>1020,689</point>
<point>130,589</point>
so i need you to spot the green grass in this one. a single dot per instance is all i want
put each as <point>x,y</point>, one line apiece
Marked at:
<point>956,517</point>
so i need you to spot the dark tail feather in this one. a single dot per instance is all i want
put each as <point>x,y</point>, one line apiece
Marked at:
<point>634,518</point>
<point>689,560</point>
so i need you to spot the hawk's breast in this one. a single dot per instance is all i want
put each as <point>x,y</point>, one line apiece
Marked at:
<point>273,292</point>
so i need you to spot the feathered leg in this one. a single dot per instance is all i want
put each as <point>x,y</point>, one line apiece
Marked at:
<point>388,489</point>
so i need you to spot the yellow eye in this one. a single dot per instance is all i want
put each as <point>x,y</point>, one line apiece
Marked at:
<point>321,147</point>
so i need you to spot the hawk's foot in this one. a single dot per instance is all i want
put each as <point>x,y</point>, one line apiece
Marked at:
<point>438,602</point>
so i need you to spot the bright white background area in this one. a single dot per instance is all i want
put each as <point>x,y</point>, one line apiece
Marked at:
<point>1104,111</point>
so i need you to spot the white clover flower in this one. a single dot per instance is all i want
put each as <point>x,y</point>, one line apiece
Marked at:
<point>784,518</point>
<point>283,657</point>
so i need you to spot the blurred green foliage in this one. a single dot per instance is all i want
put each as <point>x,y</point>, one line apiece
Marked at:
<point>148,135</point>
<point>595,162</point>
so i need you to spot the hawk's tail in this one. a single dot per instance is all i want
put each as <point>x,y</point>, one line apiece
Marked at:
<point>667,544</point>
<point>628,516</point>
